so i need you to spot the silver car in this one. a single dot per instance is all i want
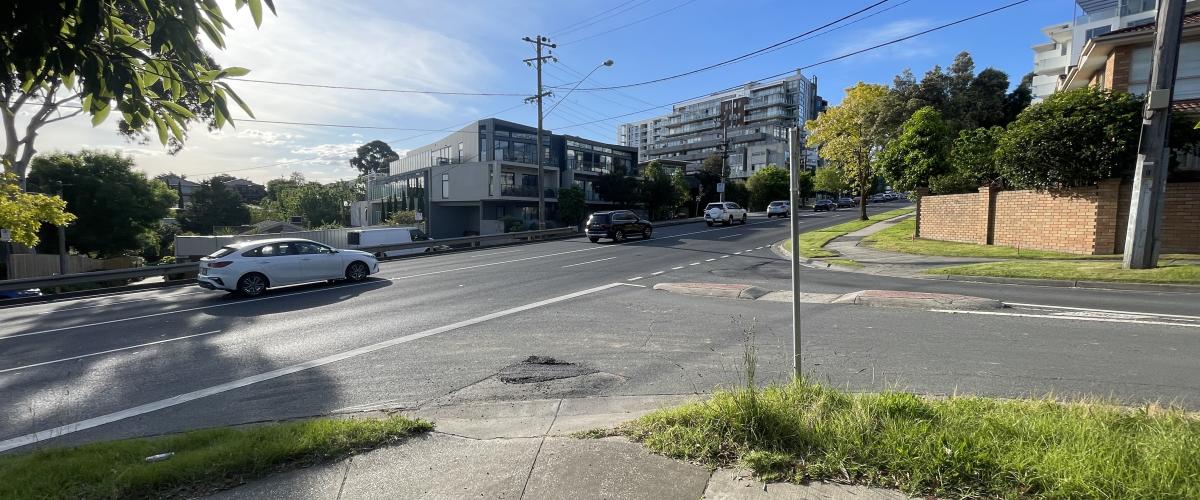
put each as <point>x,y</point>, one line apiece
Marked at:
<point>779,208</point>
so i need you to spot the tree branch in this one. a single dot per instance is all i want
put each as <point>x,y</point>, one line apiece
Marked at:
<point>63,117</point>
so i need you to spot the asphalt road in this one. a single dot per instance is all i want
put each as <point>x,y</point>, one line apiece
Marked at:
<point>438,329</point>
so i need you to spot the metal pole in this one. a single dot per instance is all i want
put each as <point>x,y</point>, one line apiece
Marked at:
<point>1142,236</point>
<point>62,249</point>
<point>794,230</point>
<point>724,158</point>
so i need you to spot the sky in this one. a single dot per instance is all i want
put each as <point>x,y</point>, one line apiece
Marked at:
<point>475,46</point>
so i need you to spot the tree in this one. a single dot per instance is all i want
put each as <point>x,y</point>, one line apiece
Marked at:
<point>1073,138</point>
<point>972,162</point>
<point>985,101</point>
<point>1019,99</point>
<point>24,213</point>
<point>851,134</point>
<point>118,208</point>
<point>373,157</point>
<point>807,186</point>
<point>829,180</point>
<point>572,205</point>
<point>138,57</point>
<point>657,191</point>
<point>920,152</point>
<point>214,204</point>
<point>401,218</point>
<point>712,170</point>
<point>768,184</point>
<point>617,187</point>
<point>683,190</point>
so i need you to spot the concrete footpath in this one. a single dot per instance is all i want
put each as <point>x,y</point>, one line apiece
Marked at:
<point>525,449</point>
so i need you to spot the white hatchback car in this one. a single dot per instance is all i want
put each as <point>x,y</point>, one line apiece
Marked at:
<point>250,267</point>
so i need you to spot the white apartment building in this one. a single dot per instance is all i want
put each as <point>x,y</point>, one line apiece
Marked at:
<point>1054,59</point>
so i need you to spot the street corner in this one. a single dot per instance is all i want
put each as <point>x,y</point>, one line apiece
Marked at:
<point>920,300</point>
<point>724,290</point>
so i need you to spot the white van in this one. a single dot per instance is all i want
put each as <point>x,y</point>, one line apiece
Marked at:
<point>389,236</point>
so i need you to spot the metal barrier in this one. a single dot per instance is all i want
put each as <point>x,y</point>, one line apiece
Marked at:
<point>192,267</point>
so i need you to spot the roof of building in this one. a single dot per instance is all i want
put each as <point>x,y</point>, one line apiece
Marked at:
<point>1188,20</point>
<point>1186,106</point>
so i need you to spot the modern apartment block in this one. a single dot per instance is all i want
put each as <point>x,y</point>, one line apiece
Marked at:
<point>1054,59</point>
<point>751,120</point>
<point>477,179</point>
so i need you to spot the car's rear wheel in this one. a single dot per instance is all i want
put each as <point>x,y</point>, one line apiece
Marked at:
<point>647,232</point>
<point>619,235</point>
<point>357,271</point>
<point>593,239</point>
<point>252,285</point>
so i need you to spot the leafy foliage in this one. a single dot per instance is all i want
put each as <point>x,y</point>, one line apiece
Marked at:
<point>401,218</point>
<point>920,152</point>
<point>657,191</point>
<point>852,134</point>
<point>572,205</point>
<point>118,208</point>
<point>972,162</point>
<point>24,213</point>
<point>618,187</point>
<point>683,190</point>
<point>768,184</point>
<point>712,170</point>
<point>373,157</point>
<point>829,180</point>
<point>214,204</point>
<point>1073,138</point>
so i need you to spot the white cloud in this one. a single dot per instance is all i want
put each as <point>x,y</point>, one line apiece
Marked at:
<point>907,49</point>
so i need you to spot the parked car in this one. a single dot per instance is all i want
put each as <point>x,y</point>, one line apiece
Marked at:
<point>878,198</point>
<point>889,196</point>
<point>617,225</point>
<point>20,294</point>
<point>390,236</point>
<point>825,205</point>
<point>250,267</point>
<point>846,202</point>
<point>726,213</point>
<point>779,208</point>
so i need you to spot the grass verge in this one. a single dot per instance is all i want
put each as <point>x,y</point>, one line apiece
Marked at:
<point>845,263</point>
<point>1179,274</point>
<point>959,447</point>
<point>812,241</point>
<point>203,460</point>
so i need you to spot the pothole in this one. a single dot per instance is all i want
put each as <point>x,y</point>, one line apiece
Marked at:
<point>541,369</point>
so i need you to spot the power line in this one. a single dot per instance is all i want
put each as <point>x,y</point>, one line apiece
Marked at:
<point>597,18</point>
<point>626,25</point>
<point>370,89</point>
<point>819,63</point>
<point>741,57</point>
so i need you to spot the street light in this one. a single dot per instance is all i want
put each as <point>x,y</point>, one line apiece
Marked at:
<point>541,116</point>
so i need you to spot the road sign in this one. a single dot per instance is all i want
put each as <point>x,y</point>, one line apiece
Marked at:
<point>720,187</point>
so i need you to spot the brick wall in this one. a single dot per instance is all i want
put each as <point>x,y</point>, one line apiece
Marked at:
<point>1085,221</point>
<point>954,217</point>
<point>1120,61</point>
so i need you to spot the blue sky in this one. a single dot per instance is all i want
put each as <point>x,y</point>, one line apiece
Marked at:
<point>476,47</point>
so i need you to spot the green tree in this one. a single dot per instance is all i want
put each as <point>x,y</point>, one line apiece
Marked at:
<point>766,185</point>
<point>118,208</point>
<point>852,134</point>
<point>373,157</point>
<point>617,187</point>
<point>683,190</point>
<point>401,218</point>
<point>984,102</point>
<point>1073,138</point>
<point>142,58</point>
<point>214,204</point>
<point>972,162</point>
<point>920,152</point>
<point>712,170</point>
<point>807,186</point>
<point>572,205</point>
<point>657,191</point>
<point>24,213</point>
<point>829,180</point>
<point>1019,99</point>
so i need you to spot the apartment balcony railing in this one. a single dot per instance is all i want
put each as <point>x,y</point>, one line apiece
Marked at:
<point>526,191</point>
<point>1050,65</point>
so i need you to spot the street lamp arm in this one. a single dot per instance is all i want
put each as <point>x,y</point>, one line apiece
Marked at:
<point>581,80</point>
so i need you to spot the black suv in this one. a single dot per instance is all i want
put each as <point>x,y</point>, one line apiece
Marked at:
<point>618,225</point>
<point>826,205</point>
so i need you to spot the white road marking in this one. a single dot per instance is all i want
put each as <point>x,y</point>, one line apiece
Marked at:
<point>1068,318</point>
<point>709,260</point>
<point>72,358</point>
<point>694,264</point>
<point>750,250</point>
<point>589,262</point>
<point>1180,316</point>
<point>635,278</point>
<point>63,430</point>
<point>724,256</point>
<point>656,273</point>
<point>676,268</point>
<point>737,253</point>
<point>758,248</point>
<point>729,236</point>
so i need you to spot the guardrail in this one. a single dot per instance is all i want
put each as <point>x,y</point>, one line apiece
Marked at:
<point>192,267</point>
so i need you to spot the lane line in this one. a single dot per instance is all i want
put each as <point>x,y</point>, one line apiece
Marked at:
<point>72,358</point>
<point>656,273</point>
<point>634,278</point>
<point>737,253</point>
<point>63,430</point>
<point>1179,316</point>
<point>589,262</point>
<point>1068,318</point>
<point>724,256</point>
<point>729,236</point>
<point>694,264</point>
<point>709,260</point>
<point>676,268</point>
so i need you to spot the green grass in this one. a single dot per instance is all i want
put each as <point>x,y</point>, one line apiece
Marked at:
<point>811,242</point>
<point>959,447</point>
<point>1078,270</point>
<point>204,460</point>
<point>844,263</point>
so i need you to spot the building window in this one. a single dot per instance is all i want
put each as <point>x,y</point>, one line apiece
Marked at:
<point>445,186</point>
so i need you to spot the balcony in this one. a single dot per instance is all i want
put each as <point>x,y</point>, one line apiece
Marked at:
<point>525,192</point>
<point>1051,66</point>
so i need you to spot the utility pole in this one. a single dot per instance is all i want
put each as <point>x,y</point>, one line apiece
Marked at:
<point>540,41</point>
<point>1142,237</point>
<point>62,239</point>
<point>793,225</point>
<point>724,159</point>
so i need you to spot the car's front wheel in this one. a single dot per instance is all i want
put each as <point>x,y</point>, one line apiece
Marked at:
<point>619,236</point>
<point>594,239</point>
<point>252,285</point>
<point>357,271</point>
<point>647,232</point>
<point>743,218</point>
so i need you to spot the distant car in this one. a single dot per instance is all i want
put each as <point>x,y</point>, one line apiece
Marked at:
<point>846,202</point>
<point>250,267</point>
<point>20,294</point>
<point>779,208</point>
<point>825,205</point>
<point>890,196</point>
<point>617,225</point>
<point>390,236</point>
<point>878,198</point>
<point>726,212</point>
